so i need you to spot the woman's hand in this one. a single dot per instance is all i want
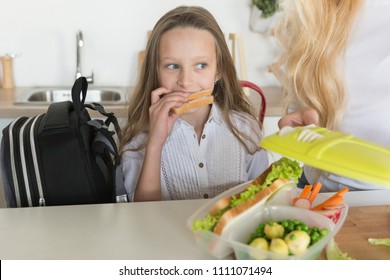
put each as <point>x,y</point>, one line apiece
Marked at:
<point>161,119</point>
<point>301,117</point>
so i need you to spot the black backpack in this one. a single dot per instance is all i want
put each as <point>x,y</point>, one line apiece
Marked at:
<point>62,157</point>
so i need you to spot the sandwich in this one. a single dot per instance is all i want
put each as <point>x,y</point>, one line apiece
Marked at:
<point>226,210</point>
<point>196,99</point>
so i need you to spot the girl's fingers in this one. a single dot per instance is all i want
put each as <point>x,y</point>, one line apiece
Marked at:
<point>161,120</point>
<point>162,100</point>
<point>157,94</point>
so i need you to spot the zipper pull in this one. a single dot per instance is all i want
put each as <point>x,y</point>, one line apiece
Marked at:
<point>42,202</point>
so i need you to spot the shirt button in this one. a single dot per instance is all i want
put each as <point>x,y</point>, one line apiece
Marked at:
<point>205,195</point>
<point>203,136</point>
<point>201,165</point>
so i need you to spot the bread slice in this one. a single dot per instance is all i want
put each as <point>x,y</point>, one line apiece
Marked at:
<point>225,201</point>
<point>205,100</point>
<point>219,205</point>
<point>249,205</point>
<point>200,94</point>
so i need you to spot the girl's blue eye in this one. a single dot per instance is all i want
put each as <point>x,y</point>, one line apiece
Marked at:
<point>201,65</point>
<point>173,66</point>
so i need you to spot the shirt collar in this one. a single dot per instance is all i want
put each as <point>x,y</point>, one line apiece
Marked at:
<point>214,116</point>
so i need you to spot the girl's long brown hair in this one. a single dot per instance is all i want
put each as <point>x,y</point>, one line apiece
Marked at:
<point>228,93</point>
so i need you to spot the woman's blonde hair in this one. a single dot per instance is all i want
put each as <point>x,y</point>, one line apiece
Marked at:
<point>228,93</point>
<point>314,35</point>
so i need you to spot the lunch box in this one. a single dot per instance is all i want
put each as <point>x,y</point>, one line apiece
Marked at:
<point>233,242</point>
<point>335,152</point>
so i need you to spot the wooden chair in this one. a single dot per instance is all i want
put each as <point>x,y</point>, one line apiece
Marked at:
<point>276,69</point>
<point>238,54</point>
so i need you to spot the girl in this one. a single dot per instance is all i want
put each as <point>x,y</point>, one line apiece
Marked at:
<point>338,66</point>
<point>206,150</point>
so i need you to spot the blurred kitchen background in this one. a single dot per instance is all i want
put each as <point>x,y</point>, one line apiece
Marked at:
<point>42,33</point>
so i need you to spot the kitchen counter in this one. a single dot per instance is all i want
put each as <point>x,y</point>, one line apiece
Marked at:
<point>155,230</point>
<point>9,110</point>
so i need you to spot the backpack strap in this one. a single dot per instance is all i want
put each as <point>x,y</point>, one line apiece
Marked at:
<point>103,136</point>
<point>79,87</point>
<point>111,119</point>
<point>104,139</point>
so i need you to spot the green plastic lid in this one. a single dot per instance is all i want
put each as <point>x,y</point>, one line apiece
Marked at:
<point>335,152</point>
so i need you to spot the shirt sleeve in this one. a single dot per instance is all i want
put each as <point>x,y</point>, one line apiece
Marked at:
<point>256,163</point>
<point>132,162</point>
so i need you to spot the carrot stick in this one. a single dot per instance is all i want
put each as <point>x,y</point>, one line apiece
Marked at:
<point>342,191</point>
<point>314,192</point>
<point>331,201</point>
<point>306,190</point>
<point>335,199</point>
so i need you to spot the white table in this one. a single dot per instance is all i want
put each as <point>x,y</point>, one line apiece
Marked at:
<point>146,230</point>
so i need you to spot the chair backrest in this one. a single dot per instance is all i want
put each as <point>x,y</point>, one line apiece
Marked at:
<point>263,105</point>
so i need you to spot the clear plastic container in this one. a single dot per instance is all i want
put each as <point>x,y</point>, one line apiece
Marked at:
<point>233,239</point>
<point>244,228</point>
<point>214,244</point>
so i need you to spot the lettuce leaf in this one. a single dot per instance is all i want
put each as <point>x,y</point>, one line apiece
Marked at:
<point>283,168</point>
<point>379,241</point>
<point>206,224</point>
<point>333,252</point>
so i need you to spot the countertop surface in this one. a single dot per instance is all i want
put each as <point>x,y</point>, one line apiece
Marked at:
<point>156,230</point>
<point>8,108</point>
<point>365,222</point>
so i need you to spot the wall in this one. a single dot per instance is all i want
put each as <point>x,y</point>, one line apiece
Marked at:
<point>43,35</point>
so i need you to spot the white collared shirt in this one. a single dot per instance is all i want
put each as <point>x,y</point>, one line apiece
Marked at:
<point>192,170</point>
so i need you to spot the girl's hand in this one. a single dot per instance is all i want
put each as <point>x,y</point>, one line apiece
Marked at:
<point>160,116</point>
<point>301,117</point>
